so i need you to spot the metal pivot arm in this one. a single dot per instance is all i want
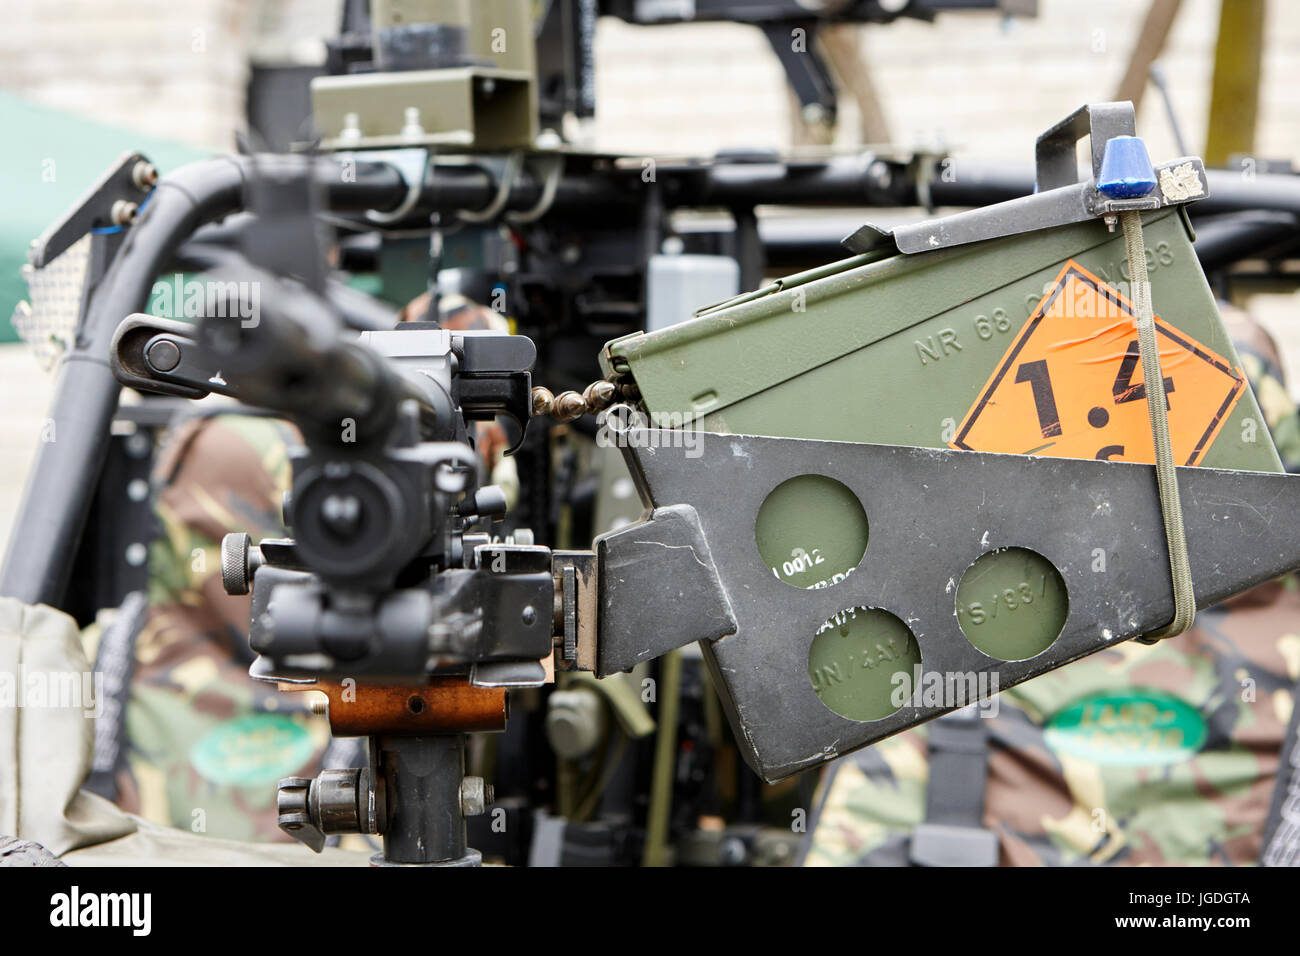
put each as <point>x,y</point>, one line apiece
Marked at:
<point>793,42</point>
<point>166,357</point>
<point>932,514</point>
<point>161,356</point>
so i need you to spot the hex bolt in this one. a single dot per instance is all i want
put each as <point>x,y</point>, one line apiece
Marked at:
<point>475,796</point>
<point>351,131</point>
<point>412,127</point>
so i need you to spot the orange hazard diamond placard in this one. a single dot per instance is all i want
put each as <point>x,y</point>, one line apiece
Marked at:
<point>1071,385</point>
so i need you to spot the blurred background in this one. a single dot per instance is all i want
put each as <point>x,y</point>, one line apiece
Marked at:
<point>988,84</point>
<point>85,80</point>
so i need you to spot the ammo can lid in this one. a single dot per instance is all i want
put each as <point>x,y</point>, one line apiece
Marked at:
<point>732,350</point>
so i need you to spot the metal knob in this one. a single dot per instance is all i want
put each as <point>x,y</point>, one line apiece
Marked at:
<point>336,801</point>
<point>236,575</point>
<point>293,811</point>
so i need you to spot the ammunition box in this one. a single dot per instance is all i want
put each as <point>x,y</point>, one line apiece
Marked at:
<point>900,349</point>
<point>1024,345</point>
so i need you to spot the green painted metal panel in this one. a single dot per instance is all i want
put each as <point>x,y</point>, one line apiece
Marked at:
<point>894,349</point>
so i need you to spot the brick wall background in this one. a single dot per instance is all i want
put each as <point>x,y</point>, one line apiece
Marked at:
<point>973,81</point>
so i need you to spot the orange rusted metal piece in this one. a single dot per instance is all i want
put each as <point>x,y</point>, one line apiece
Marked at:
<point>443,705</point>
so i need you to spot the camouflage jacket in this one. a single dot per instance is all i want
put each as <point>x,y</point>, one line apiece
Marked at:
<point>206,744</point>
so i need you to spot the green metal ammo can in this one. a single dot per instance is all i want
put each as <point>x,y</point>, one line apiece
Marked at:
<point>1023,342</point>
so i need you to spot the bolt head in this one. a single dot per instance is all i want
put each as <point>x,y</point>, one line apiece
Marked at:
<point>473,796</point>
<point>814,114</point>
<point>123,212</point>
<point>163,355</point>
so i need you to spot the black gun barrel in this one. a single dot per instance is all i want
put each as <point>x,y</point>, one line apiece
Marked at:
<point>295,358</point>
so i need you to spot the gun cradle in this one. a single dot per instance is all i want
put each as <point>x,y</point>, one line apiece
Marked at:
<point>933,514</point>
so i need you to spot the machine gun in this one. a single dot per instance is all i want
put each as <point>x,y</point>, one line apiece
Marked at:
<point>387,578</point>
<point>386,584</point>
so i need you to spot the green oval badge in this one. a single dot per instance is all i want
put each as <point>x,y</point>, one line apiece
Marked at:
<point>1132,727</point>
<point>253,750</point>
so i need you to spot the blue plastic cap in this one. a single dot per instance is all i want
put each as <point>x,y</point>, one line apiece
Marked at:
<point>1126,171</point>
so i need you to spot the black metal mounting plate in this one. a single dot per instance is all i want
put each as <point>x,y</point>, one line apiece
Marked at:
<point>932,513</point>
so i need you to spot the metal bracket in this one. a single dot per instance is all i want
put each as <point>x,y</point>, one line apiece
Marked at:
<point>128,181</point>
<point>931,513</point>
<point>1063,196</point>
<point>151,354</point>
<point>805,69</point>
<point>1181,180</point>
<point>658,590</point>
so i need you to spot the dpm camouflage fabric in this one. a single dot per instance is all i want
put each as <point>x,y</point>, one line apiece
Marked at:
<point>1161,754</point>
<point>205,743</point>
<point>1262,364</point>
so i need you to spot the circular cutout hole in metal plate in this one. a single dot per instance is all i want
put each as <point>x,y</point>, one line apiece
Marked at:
<point>811,531</point>
<point>862,663</point>
<point>1012,604</point>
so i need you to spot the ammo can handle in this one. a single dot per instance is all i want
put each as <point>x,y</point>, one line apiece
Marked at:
<point>1055,159</point>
